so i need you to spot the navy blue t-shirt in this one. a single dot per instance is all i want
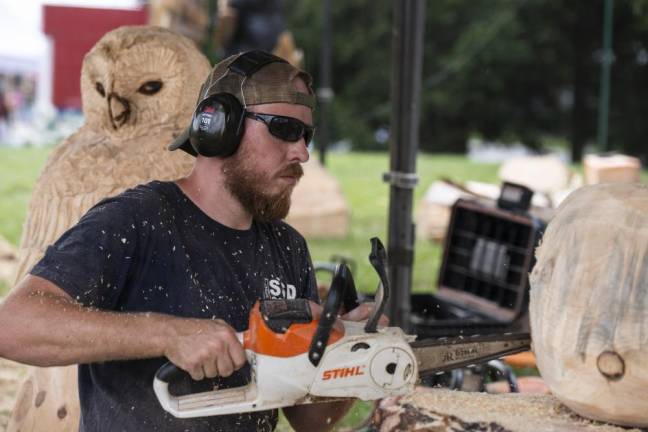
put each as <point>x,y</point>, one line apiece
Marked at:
<point>151,249</point>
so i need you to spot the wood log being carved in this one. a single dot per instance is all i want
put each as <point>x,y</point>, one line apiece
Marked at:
<point>589,303</point>
<point>138,86</point>
<point>443,410</point>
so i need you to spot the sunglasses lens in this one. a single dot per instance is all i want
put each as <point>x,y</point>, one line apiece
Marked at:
<point>286,129</point>
<point>308,134</point>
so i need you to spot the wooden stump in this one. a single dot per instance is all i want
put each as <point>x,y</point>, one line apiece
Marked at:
<point>611,169</point>
<point>318,208</point>
<point>543,174</point>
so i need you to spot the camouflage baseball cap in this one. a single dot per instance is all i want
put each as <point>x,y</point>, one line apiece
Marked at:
<point>272,82</point>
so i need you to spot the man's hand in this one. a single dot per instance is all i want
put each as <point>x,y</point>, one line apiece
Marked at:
<point>205,348</point>
<point>362,312</point>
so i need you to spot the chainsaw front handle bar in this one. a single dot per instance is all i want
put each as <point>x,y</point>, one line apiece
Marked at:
<point>342,287</point>
<point>378,259</point>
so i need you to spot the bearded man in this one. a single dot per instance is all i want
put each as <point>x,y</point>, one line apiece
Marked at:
<point>170,270</point>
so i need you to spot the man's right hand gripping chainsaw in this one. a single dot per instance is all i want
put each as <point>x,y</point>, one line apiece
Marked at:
<point>296,359</point>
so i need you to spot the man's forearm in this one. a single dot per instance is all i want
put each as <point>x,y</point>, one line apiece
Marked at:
<point>317,417</point>
<point>44,329</point>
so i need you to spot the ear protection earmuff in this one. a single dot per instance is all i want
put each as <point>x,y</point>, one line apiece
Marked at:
<point>217,124</point>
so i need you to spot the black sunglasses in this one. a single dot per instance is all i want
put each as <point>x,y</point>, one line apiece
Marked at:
<point>284,128</point>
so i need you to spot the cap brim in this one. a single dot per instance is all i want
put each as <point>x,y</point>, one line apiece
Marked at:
<point>182,142</point>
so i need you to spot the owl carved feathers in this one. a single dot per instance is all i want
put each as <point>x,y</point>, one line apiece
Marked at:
<point>139,86</point>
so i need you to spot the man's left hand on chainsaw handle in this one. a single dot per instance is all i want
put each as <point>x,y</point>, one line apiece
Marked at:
<point>362,313</point>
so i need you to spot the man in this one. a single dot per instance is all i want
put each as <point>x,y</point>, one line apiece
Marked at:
<point>170,270</point>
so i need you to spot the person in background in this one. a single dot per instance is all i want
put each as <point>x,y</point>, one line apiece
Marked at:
<point>4,108</point>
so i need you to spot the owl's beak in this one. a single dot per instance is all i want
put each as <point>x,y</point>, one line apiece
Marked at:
<point>119,110</point>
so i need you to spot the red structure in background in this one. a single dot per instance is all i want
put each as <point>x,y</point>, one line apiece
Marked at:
<point>74,30</point>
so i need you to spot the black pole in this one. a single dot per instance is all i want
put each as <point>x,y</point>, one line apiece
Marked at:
<point>606,63</point>
<point>407,62</point>
<point>324,92</point>
<point>209,46</point>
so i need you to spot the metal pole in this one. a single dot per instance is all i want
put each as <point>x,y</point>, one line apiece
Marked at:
<point>209,48</point>
<point>324,92</point>
<point>407,62</point>
<point>606,64</point>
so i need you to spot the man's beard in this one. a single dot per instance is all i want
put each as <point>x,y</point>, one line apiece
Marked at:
<point>248,185</point>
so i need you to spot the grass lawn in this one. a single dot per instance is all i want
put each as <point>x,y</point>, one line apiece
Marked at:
<point>19,169</point>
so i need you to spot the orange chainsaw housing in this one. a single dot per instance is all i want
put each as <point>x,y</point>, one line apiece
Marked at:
<point>295,341</point>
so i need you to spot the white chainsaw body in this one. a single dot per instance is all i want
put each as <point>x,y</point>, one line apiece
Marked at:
<point>361,365</point>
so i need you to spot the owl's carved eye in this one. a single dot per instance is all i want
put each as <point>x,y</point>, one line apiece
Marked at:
<point>150,87</point>
<point>100,89</point>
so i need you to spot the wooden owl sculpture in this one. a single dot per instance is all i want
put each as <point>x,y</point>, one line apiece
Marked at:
<point>139,86</point>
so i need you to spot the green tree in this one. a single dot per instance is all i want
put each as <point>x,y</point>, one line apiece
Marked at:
<point>501,69</point>
<point>361,62</point>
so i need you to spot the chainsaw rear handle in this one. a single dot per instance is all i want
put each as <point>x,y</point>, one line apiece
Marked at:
<point>168,372</point>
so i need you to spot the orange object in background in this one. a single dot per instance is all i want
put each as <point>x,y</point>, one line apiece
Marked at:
<point>527,385</point>
<point>521,360</point>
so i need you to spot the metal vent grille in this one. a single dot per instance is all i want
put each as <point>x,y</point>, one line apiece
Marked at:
<point>487,257</point>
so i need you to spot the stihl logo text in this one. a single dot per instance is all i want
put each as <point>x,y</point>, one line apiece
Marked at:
<point>342,373</point>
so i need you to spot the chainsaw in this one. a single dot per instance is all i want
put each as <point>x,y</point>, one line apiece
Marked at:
<point>296,359</point>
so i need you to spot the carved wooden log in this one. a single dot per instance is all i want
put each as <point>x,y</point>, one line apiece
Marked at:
<point>589,303</point>
<point>11,375</point>
<point>442,410</point>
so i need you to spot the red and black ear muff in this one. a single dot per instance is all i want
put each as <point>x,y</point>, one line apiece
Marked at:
<point>217,126</point>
